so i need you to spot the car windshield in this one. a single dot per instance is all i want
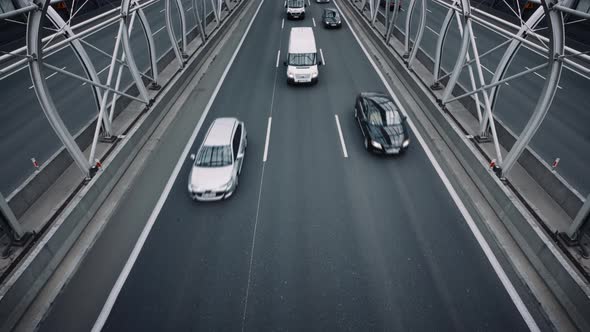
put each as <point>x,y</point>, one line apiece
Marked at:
<point>301,59</point>
<point>295,3</point>
<point>331,14</point>
<point>383,112</point>
<point>214,156</point>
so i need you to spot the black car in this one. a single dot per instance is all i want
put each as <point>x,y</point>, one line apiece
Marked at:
<point>383,126</point>
<point>331,18</point>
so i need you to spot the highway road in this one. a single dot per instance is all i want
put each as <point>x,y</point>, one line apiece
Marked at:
<point>564,132</point>
<point>320,235</point>
<point>25,132</point>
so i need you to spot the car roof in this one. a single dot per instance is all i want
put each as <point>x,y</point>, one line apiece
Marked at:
<point>330,10</point>
<point>301,40</point>
<point>372,95</point>
<point>220,132</point>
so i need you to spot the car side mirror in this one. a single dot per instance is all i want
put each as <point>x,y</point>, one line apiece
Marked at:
<point>405,118</point>
<point>305,5</point>
<point>285,63</point>
<point>193,156</point>
<point>320,63</point>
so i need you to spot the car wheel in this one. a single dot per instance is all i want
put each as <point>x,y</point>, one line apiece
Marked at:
<point>355,115</point>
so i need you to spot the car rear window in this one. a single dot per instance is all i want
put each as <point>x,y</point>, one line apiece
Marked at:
<point>383,112</point>
<point>214,156</point>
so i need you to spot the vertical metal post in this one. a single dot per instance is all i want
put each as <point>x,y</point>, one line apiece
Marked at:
<point>10,218</point>
<point>199,21</point>
<point>470,69</point>
<point>387,4</point>
<point>130,59</point>
<point>375,11</point>
<point>363,4</point>
<point>442,36</point>
<point>557,41</point>
<point>506,60</point>
<point>393,20</point>
<point>581,218</point>
<point>418,39</point>
<point>180,9</point>
<point>461,57</point>
<point>105,97</point>
<point>486,98</point>
<point>83,57</point>
<point>215,12</point>
<point>147,31</point>
<point>409,13</point>
<point>172,35</point>
<point>35,52</point>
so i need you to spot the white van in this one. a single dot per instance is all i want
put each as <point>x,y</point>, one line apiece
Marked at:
<point>302,59</point>
<point>295,9</point>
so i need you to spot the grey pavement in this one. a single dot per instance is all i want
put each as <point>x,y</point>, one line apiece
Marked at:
<point>311,240</point>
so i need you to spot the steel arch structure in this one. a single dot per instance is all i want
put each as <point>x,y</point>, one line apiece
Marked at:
<point>543,32</point>
<point>47,31</point>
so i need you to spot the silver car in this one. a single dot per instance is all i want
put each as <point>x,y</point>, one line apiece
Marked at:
<point>218,162</point>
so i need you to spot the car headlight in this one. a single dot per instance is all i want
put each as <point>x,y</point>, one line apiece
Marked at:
<point>190,188</point>
<point>406,143</point>
<point>290,74</point>
<point>376,145</point>
<point>314,74</point>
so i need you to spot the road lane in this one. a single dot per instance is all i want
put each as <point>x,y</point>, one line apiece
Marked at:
<point>358,243</point>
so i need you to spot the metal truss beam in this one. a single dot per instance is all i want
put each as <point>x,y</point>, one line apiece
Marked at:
<point>35,52</point>
<point>556,50</point>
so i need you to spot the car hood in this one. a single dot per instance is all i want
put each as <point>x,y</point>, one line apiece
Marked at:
<point>329,20</point>
<point>390,136</point>
<point>210,178</point>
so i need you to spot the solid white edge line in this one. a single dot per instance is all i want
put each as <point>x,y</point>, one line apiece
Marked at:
<point>520,306</point>
<point>163,10</point>
<point>278,57</point>
<point>341,137</point>
<point>323,60</point>
<point>267,138</point>
<point>313,20</point>
<point>108,306</point>
<point>282,24</point>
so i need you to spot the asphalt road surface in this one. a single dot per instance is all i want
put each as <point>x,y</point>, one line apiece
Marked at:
<point>25,132</point>
<point>312,239</point>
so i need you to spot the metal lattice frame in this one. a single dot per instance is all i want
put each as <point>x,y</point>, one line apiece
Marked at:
<point>42,18</point>
<point>548,16</point>
<point>37,46</point>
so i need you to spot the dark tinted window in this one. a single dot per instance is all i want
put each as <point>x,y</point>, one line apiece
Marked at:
<point>301,59</point>
<point>214,156</point>
<point>236,140</point>
<point>382,112</point>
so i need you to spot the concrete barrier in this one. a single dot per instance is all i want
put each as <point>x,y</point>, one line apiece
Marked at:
<point>564,281</point>
<point>28,279</point>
